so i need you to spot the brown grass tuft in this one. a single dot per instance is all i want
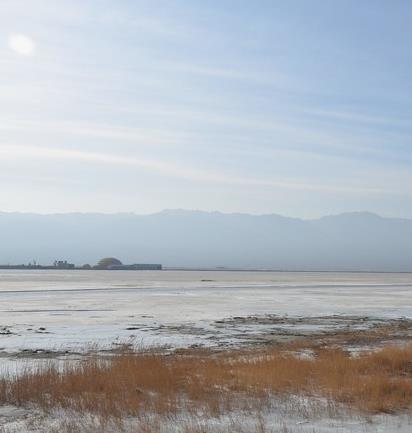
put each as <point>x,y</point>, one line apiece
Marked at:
<point>134,384</point>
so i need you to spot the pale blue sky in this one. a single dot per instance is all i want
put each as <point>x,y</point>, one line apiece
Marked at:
<point>301,108</point>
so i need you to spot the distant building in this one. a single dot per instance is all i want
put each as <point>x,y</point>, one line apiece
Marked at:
<point>108,263</point>
<point>137,267</point>
<point>63,264</point>
<point>113,264</point>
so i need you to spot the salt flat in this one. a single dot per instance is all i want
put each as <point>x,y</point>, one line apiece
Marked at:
<point>65,310</point>
<point>56,314</point>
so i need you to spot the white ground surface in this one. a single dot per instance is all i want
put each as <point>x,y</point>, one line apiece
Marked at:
<point>15,420</point>
<point>65,310</point>
<point>68,309</point>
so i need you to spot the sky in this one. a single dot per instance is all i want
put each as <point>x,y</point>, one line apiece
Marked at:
<point>297,108</point>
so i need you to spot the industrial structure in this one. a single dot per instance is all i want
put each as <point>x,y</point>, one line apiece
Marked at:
<point>105,264</point>
<point>113,264</point>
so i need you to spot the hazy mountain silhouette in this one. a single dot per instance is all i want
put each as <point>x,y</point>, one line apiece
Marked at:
<point>358,241</point>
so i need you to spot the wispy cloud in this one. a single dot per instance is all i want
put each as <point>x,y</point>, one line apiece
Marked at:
<point>358,117</point>
<point>259,134</point>
<point>103,131</point>
<point>164,168</point>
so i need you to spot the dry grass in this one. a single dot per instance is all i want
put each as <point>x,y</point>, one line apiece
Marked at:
<point>135,384</point>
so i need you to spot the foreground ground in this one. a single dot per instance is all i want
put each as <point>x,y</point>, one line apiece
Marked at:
<point>346,381</point>
<point>245,352</point>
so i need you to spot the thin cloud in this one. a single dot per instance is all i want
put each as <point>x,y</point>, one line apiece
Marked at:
<point>113,132</point>
<point>357,117</point>
<point>171,169</point>
<point>284,133</point>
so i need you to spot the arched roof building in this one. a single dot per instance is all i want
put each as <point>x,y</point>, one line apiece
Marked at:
<point>108,262</point>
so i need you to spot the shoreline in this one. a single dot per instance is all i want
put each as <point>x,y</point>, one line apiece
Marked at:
<point>352,333</point>
<point>206,269</point>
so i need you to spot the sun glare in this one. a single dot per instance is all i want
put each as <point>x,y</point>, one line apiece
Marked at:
<point>21,44</point>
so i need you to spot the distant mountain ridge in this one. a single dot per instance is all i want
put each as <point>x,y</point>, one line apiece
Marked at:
<point>349,241</point>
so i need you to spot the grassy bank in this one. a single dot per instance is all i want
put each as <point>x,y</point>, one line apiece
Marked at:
<point>134,384</point>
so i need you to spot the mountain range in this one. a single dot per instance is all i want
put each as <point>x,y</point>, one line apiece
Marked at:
<point>358,241</point>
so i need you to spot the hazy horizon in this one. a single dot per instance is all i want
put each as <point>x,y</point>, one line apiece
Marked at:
<point>205,211</point>
<point>350,241</point>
